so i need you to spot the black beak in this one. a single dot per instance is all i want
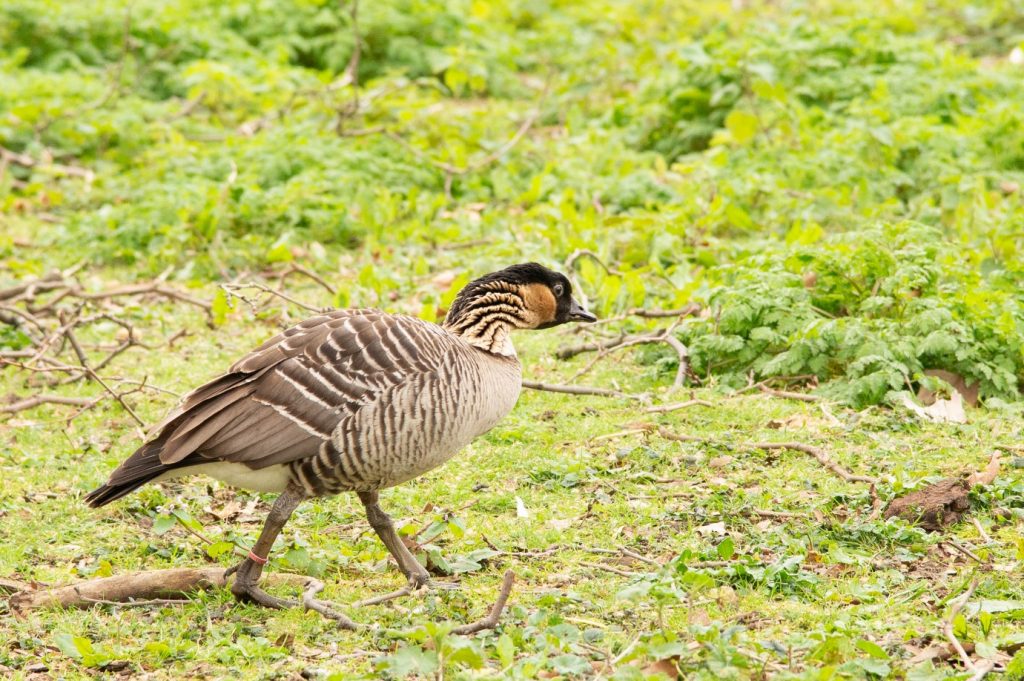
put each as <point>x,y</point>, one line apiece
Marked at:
<point>578,314</point>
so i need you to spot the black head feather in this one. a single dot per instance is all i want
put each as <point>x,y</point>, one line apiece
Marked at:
<point>515,275</point>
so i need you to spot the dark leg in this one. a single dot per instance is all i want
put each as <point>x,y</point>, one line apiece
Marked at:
<point>385,529</point>
<point>247,574</point>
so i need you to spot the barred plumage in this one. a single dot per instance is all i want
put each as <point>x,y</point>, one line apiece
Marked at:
<point>354,400</point>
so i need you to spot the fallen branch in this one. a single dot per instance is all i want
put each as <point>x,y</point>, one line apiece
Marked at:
<point>818,454</point>
<point>122,588</point>
<point>384,598</point>
<point>786,394</point>
<point>578,390</point>
<point>233,289</point>
<point>570,262</point>
<point>37,400</point>
<point>655,313</point>
<point>669,435</point>
<point>491,620</point>
<point>663,408</point>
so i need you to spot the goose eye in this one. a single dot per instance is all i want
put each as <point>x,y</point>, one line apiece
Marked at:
<point>558,290</point>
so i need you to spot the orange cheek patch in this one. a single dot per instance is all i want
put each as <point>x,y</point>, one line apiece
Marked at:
<point>541,303</point>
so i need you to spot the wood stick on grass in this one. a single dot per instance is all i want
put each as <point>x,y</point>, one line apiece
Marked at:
<point>818,454</point>
<point>947,625</point>
<point>786,394</point>
<point>664,408</point>
<point>578,390</point>
<point>36,400</point>
<point>491,619</point>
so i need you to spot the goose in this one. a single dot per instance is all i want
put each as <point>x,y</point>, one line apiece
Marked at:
<point>352,400</point>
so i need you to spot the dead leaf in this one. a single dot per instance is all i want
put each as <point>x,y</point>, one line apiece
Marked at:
<point>667,667</point>
<point>794,422</point>
<point>700,617</point>
<point>717,529</point>
<point>721,461</point>
<point>942,411</point>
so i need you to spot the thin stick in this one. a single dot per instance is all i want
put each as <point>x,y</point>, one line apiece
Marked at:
<point>315,586</point>
<point>633,554</point>
<point>384,598</point>
<point>96,377</point>
<point>763,513</point>
<point>669,435</point>
<point>491,620</point>
<point>36,400</point>
<point>663,408</point>
<point>618,434</point>
<point>818,454</point>
<point>139,289</point>
<point>232,288</point>
<point>947,625</point>
<point>982,670</point>
<point>609,568</point>
<point>981,531</point>
<point>964,550</point>
<point>803,397</point>
<point>139,604</point>
<point>578,390</point>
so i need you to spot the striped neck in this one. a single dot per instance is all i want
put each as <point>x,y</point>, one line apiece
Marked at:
<point>486,321</point>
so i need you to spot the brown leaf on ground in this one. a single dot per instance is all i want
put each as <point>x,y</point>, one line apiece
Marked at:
<point>795,422</point>
<point>668,667</point>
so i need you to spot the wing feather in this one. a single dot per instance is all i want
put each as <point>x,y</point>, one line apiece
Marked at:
<point>282,401</point>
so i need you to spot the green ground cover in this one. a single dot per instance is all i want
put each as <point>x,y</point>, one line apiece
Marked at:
<point>837,186</point>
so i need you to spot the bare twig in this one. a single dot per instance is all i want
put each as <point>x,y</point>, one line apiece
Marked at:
<point>491,620</point>
<point>803,397</point>
<point>662,408</point>
<point>818,454</point>
<point>36,400</point>
<point>609,568</point>
<point>384,598</point>
<point>96,377</point>
<point>764,513</point>
<point>964,550</point>
<point>315,586</point>
<point>981,531</point>
<point>570,262</point>
<point>947,626</point>
<point>299,269</point>
<point>578,390</point>
<point>233,288</point>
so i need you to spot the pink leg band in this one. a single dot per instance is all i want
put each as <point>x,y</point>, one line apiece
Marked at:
<point>259,560</point>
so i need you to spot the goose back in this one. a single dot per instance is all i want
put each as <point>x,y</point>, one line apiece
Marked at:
<point>347,400</point>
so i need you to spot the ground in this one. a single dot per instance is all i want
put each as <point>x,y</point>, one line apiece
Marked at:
<point>824,589</point>
<point>827,194</point>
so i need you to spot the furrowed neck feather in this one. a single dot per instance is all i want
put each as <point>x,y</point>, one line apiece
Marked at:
<point>486,320</point>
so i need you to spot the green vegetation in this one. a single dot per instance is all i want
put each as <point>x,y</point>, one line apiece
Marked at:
<point>838,186</point>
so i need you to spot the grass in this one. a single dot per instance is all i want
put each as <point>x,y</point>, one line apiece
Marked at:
<point>838,580</point>
<point>838,189</point>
